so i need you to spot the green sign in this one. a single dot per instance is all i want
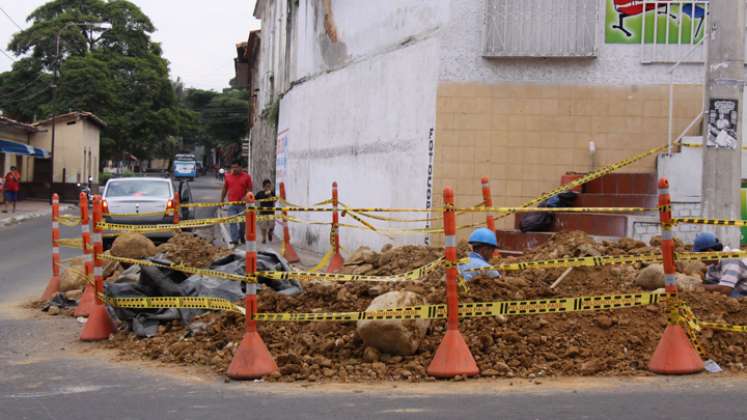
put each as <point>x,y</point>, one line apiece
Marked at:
<point>682,22</point>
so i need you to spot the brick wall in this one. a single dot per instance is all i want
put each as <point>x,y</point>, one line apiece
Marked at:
<point>525,136</point>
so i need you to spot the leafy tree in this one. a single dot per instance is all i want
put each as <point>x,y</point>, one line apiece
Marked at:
<point>222,116</point>
<point>107,65</point>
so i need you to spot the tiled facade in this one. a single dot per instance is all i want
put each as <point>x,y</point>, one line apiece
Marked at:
<point>525,136</point>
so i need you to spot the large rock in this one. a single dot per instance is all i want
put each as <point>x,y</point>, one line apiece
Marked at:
<point>394,337</point>
<point>652,278</point>
<point>133,245</point>
<point>73,276</point>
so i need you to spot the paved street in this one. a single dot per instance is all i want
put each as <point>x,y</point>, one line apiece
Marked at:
<point>48,374</point>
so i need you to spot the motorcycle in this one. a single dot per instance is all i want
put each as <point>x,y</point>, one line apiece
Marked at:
<point>88,190</point>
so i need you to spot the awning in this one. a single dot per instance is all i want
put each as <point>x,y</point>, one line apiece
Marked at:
<point>7,146</point>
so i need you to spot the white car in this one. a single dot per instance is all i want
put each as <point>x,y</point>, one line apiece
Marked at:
<point>124,199</point>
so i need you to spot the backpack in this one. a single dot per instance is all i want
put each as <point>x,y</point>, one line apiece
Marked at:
<point>543,222</point>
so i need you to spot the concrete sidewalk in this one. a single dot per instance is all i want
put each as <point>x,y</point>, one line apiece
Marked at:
<point>28,209</point>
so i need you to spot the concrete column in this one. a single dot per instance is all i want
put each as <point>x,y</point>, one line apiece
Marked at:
<point>722,157</point>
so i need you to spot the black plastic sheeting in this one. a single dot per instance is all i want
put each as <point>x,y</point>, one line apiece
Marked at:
<point>155,281</point>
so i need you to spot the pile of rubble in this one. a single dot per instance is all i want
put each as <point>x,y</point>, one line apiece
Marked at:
<point>595,343</point>
<point>192,250</point>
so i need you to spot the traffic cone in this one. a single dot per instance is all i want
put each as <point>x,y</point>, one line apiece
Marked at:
<point>336,263</point>
<point>87,302</point>
<point>252,359</point>
<point>453,358</point>
<point>99,326</point>
<point>53,287</point>
<point>675,355</point>
<point>289,253</point>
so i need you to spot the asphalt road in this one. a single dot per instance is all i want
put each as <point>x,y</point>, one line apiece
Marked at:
<point>45,373</point>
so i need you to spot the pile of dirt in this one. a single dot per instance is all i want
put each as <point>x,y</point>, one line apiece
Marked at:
<point>192,250</point>
<point>133,245</point>
<point>594,343</point>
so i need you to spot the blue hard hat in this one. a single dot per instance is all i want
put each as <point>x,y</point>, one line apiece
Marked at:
<point>483,236</point>
<point>705,241</point>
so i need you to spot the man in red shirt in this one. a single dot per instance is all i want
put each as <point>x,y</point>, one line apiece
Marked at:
<point>12,186</point>
<point>236,185</point>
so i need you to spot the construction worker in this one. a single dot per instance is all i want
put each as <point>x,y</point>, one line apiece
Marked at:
<point>483,244</point>
<point>728,277</point>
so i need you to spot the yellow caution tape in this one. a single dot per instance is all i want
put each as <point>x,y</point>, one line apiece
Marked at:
<point>592,176</point>
<point>724,327</point>
<point>702,221</point>
<point>180,267</point>
<point>68,220</point>
<point>312,275</point>
<point>173,302</point>
<point>70,242</point>
<point>144,214</point>
<point>185,224</point>
<point>477,310</point>
<point>324,262</point>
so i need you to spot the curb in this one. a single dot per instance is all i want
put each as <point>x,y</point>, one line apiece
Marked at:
<point>11,220</point>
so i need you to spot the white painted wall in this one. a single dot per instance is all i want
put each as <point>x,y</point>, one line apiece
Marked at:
<point>364,29</point>
<point>461,58</point>
<point>366,126</point>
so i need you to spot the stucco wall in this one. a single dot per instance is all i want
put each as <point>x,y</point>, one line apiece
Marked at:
<point>366,126</point>
<point>70,142</point>
<point>615,64</point>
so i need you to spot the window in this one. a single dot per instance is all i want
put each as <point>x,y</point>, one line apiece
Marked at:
<point>540,28</point>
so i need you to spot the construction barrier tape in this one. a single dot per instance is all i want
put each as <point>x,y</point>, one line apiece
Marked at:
<point>186,224</point>
<point>180,267</point>
<point>723,327</point>
<point>173,302</point>
<point>701,221</point>
<point>144,214</point>
<point>311,275</point>
<point>70,242</point>
<point>68,220</point>
<point>478,310</point>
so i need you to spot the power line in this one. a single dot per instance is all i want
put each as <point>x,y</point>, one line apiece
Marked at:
<point>11,19</point>
<point>7,55</point>
<point>22,87</point>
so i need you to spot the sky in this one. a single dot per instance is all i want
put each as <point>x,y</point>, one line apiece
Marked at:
<point>198,37</point>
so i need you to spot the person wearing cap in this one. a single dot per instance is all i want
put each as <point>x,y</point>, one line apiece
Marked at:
<point>483,244</point>
<point>728,277</point>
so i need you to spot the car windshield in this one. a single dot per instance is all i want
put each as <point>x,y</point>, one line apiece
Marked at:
<point>138,189</point>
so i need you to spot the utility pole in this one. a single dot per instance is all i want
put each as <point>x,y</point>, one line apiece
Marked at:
<point>722,132</point>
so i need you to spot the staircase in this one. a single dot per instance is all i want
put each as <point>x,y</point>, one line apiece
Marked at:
<point>613,190</point>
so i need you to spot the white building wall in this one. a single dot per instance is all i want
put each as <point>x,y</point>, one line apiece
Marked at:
<point>366,126</point>
<point>615,64</point>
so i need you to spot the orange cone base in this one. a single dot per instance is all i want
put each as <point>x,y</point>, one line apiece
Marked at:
<point>53,287</point>
<point>335,264</point>
<point>252,360</point>
<point>87,302</point>
<point>453,358</point>
<point>290,254</point>
<point>675,354</point>
<point>99,326</point>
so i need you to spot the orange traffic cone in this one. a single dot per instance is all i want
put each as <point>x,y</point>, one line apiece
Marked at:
<point>252,359</point>
<point>675,355</point>
<point>289,253</point>
<point>87,302</point>
<point>99,326</point>
<point>335,264</point>
<point>453,358</point>
<point>53,287</point>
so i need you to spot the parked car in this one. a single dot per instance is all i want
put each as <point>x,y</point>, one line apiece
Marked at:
<point>126,198</point>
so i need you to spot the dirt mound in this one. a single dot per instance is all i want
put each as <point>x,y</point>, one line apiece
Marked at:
<point>594,343</point>
<point>133,245</point>
<point>192,250</point>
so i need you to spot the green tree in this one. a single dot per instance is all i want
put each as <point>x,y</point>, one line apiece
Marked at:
<point>222,116</point>
<point>107,65</point>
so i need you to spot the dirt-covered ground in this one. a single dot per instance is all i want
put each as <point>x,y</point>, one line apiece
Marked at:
<point>604,343</point>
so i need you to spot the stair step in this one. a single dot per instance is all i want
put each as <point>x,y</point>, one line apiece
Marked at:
<point>616,200</point>
<point>592,223</point>
<point>642,183</point>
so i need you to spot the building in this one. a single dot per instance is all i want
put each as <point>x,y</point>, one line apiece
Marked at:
<point>396,99</point>
<point>76,152</point>
<point>16,148</point>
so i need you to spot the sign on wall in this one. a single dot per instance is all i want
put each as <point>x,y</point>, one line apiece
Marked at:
<point>722,124</point>
<point>663,21</point>
<point>281,157</point>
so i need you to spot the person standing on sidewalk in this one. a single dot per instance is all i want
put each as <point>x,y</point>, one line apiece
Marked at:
<point>236,185</point>
<point>266,199</point>
<point>12,186</point>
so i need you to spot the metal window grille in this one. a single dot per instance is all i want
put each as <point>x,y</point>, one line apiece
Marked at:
<point>673,30</point>
<point>541,28</point>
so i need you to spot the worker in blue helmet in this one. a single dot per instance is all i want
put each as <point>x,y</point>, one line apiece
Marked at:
<point>728,277</point>
<point>483,244</point>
